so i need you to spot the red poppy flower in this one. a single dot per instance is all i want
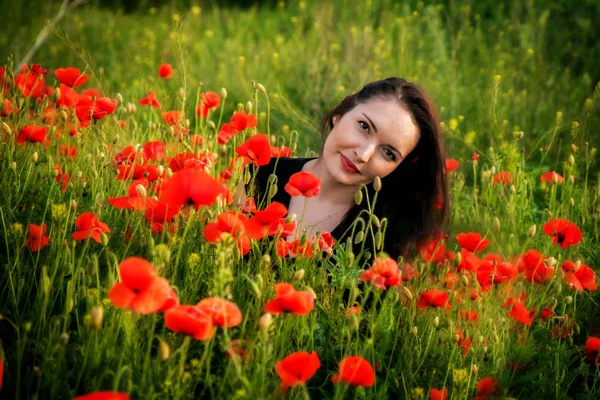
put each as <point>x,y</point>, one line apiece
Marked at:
<point>256,149</point>
<point>32,134</point>
<point>383,273</point>
<point>289,300</point>
<point>531,259</point>
<point>4,85</point>
<point>226,132</point>
<point>257,227</point>
<point>133,200</point>
<point>224,313</point>
<point>463,343</point>
<point>355,371</point>
<point>231,222</point>
<point>592,345</point>
<point>539,274</point>
<point>283,151</point>
<point>504,178</point>
<point>435,394</point>
<point>563,232</point>
<point>150,100</point>
<point>165,71</point>
<point>579,278</point>
<point>68,150</point>
<point>104,395</point>
<point>325,242</point>
<point>303,184</point>
<point>518,310</point>
<point>472,241</point>
<point>71,77</point>
<point>172,117</point>
<point>154,150</point>
<point>36,239</point>
<point>196,140</point>
<point>433,298</point>
<point>469,261</point>
<point>301,248</point>
<point>6,107</point>
<point>552,177</point>
<point>487,388</point>
<point>546,313</point>
<point>31,81</point>
<point>89,225</point>
<point>68,96</point>
<point>191,186</point>
<point>297,368</point>
<point>282,228</point>
<point>141,289</point>
<point>242,121</point>
<point>433,250</point>
<point>210,101</point>
<point>451,164</point>
<point>191,321</point>
<point>283,248</point>
<point>475,156</point>
<point>468,315</point>
<point>496,273</point>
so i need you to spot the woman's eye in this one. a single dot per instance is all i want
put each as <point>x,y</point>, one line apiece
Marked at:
<point>363,125</point>
<point>389,154</point>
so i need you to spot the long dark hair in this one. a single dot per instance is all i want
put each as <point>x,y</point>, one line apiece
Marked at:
<point>414,197</point>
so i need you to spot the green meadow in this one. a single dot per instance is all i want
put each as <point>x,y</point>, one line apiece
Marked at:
<point>517,85</point>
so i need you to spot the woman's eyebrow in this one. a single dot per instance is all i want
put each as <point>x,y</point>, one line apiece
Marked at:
<point>371,122</point>
<point>375,129</point>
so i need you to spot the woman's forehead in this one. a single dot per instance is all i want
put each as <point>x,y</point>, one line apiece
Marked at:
<point>389,118</point>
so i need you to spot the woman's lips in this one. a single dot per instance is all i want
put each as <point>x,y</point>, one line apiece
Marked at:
<point>348,165</point>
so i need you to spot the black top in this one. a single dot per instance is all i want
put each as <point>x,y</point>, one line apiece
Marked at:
<point>285,168</point>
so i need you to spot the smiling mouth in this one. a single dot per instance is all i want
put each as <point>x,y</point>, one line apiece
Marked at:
<point>348,165</point>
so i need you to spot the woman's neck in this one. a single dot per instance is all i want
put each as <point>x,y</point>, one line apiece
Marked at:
<point>332,192</point>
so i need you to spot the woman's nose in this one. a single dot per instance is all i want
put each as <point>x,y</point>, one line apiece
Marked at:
<point>364,152</point>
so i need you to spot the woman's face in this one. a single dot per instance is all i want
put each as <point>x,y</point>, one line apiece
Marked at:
<point>370,140</point>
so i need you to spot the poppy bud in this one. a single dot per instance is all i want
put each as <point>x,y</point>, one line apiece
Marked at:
<point>568,299</point>
<point>212,125</point>
<point>407,293</point>
<point>6,128</point>
<point>359,237</point>
<point>464,279</point>
<point>593,152</point>
<point>56,94</point>
<point>160,170</point>
<point>45,280</point>
<point>358,197</point>
<point>551,261</point>
<point>572,202</point>
<point>96,317</point>
<point>298,275</point>
<point>255,289</point>
<point>223,93</point>
<point>63,114</point>
<point>496,224</point>
<point>265,321</point>
<point>474,369</point>
<point>354,322</point>
<point>104,238</point>
<point>493,169</point>
<point>181,93</point>
<point>531,232</point>
<point>375,220</point>
<point>164,350</point>
<point>249,107</point>
<point>261,87</point>
<point>290,218</point>
<point>578,263</point>
<point>436,322</point>
<point>64,338</point>
<point>169,172</point>
<point>119,98</point>
<point>73,205</point>
<point>571,179</point>
<point>171,131</point>
<point>513,189</point>
<point>13,165</point>
<point>414,330</point>
<point>141,190</point>
<point>34,157</point>
<point>377,184</point>
<point>571,160</point>
<point>378,240</point>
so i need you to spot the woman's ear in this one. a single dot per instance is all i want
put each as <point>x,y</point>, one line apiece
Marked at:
<point>335,119</point>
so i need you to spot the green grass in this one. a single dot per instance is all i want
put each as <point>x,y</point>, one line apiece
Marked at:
<point>511,85</point>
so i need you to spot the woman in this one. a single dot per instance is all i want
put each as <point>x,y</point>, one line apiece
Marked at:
<point>388,129</point>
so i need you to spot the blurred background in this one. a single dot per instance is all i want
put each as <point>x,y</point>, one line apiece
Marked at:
<point>493,68</point>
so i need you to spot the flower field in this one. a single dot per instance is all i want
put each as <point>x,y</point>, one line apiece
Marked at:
<point>129,270</point>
